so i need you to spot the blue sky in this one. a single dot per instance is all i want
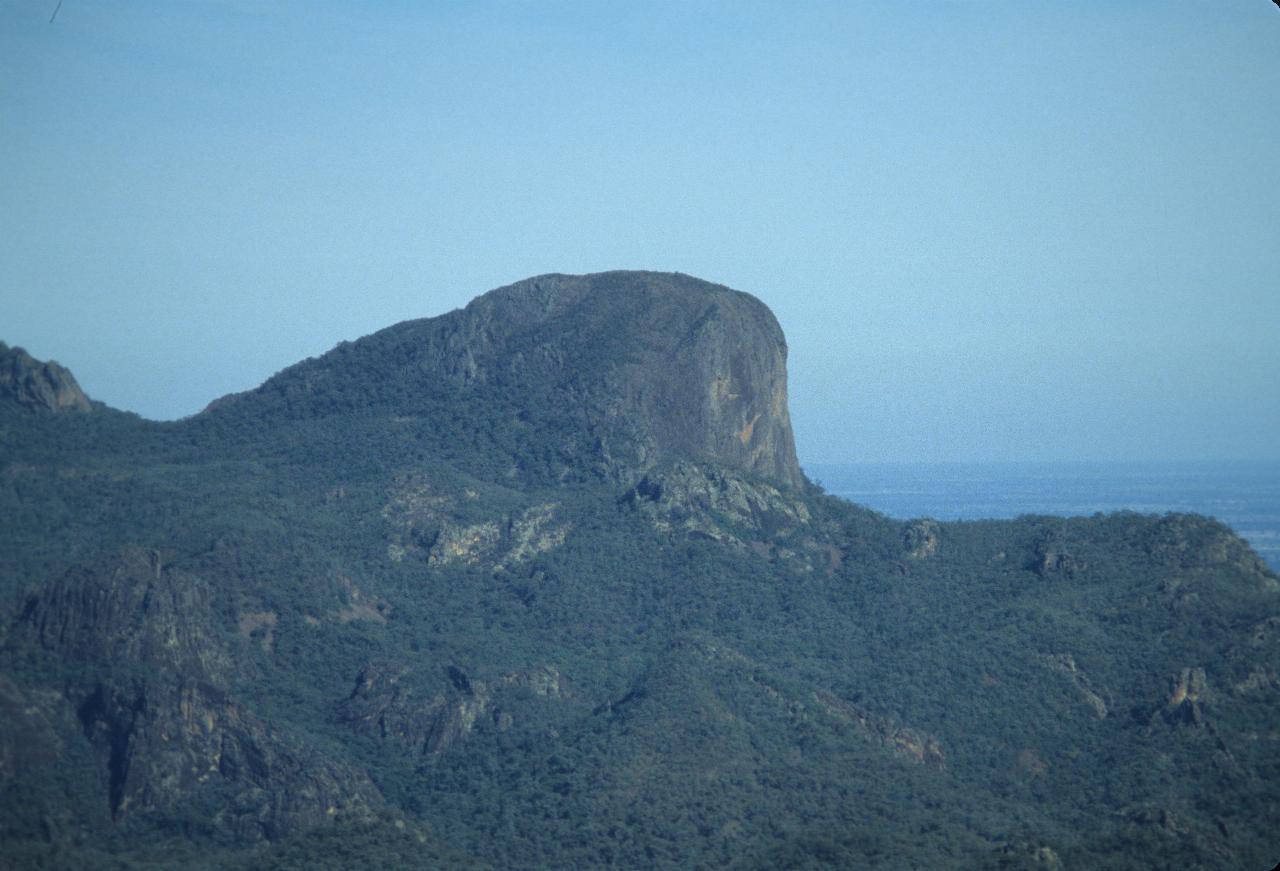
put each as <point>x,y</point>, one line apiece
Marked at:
<point>1023,230</point>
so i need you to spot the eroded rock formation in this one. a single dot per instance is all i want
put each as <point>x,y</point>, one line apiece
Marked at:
<point>38,385</point>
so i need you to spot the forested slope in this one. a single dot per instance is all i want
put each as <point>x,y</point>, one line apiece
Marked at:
<point>474,591</point>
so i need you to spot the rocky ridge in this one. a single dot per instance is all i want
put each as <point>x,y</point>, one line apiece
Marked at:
<point>37,385</point>
<point>151,692</point>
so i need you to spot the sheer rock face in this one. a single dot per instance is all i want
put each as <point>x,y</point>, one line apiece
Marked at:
<point>636,368</point>
<point>129,608</point>
<point>37,385</point>
<point>152,698</point>
<point>693,370</point>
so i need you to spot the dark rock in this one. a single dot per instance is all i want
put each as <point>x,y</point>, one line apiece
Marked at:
<point>162,739</point>
<point>129,609</point>
<point>392,702</point>
<point>152,701</point>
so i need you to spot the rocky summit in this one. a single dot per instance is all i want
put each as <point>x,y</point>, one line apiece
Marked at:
<point>539,583</point>
<point>38,386</point>
<point>647,367</point>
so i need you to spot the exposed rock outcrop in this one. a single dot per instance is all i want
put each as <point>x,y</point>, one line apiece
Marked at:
<point>37,385</point>
<point>921,538</point>
<point>1054,557</point>
<point>1065,663</point>
<point>151,698</point>
<point>643,367</point>
<point>394,702</point>
<point>1188,691</point>
<point>130,609</point>
<point>162,739</point>
<point>693,369</point>
<point>1260,679</point>
<point>711,502</point>
<point>431,523</point>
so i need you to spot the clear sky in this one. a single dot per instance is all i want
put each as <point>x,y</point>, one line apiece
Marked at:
<point>991,230</point>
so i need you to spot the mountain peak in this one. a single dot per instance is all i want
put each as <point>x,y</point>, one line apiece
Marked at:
<point>690,368</point>
<point>39,385</point>
<point>630,369</point>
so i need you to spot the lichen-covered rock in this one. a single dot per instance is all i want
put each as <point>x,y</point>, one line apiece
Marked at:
<point>713,502</point>
<point>534,531</point>
<point>1189,686</point>
<point>1261,678</point>
<point>1053,556</point>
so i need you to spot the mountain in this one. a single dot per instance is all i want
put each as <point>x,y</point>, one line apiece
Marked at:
<point>38,386</point>
<point>539,583</point>
<point>629,369</point>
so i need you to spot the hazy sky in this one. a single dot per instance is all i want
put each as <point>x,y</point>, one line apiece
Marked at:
<point>990,230</point>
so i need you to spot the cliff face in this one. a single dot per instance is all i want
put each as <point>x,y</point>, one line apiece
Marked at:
<point>688,369</point>
<point>640,367</point>
<point>37,385</point>
<point>148,687</point>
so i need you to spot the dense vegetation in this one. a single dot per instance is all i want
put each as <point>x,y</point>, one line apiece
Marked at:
<point>542,669</point>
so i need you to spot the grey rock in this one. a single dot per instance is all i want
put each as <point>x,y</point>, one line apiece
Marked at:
<point>709,501</point>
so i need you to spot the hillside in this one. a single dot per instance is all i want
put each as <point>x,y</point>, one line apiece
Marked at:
<point>538,583</point>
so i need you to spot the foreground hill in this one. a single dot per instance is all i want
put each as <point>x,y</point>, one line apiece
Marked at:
<point>538,583</point>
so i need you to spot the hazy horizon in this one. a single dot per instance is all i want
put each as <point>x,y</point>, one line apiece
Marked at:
<point>991,231</point>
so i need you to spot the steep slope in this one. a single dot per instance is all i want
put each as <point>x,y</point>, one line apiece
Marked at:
<point>538,584</point>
